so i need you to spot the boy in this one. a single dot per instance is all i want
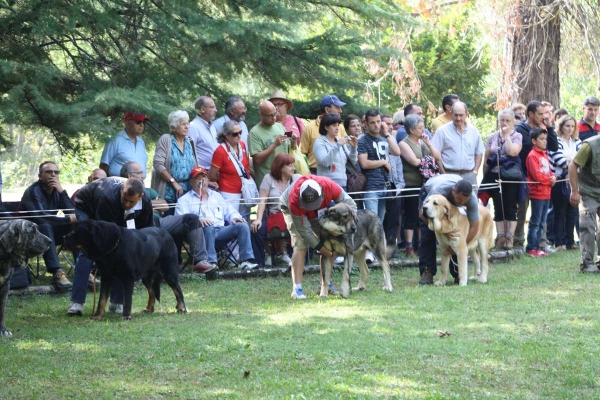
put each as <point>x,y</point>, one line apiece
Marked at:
<point>538,170</point>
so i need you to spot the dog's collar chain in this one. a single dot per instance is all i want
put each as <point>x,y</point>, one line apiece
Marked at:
<point>114,247</point>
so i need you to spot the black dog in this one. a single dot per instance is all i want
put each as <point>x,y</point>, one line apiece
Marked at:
<point>19,241</point>
<point>128,254</point>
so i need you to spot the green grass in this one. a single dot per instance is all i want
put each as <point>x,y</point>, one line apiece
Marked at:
<point>530,333</point>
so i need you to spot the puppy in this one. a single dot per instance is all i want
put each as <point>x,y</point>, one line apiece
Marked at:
<point>19,241</point>
<point>351,235</point>
<point>128,254</point>
<point>451,229</point>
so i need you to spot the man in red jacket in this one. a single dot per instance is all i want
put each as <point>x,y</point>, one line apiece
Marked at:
<point>539,171</point>
<point>302,204</point>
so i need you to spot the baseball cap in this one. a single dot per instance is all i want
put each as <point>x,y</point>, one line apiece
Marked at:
<point>197,171</point>
<point>130,116</point>
<point>311,195</point>
<point>331,99</point>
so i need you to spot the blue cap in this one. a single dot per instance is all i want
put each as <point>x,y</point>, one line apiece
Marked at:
<point>331,99</point>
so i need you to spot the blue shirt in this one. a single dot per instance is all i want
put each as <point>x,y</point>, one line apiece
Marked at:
<point>219,122</point>
<point>204,136</point>
<point>181,165</point>
<point>401,134</point>
<point>120,150</point>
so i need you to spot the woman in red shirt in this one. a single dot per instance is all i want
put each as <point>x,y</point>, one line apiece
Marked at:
<point>229,161</point>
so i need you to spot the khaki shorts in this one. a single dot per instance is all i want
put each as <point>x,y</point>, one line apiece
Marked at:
<point>298,242</point>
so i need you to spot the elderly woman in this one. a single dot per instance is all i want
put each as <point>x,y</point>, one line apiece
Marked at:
<point>174,158</point>
<point>507,143</point>
<point>565,215</point>
<point>273,185</point>
<point>230,162</point>
<point>413,148</point>
<point>332,152</point>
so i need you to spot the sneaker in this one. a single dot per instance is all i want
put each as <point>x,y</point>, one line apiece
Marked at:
<point>116,308</point>
<point>338,260</point>
<point>248,265</point>
<point>60,279</point>
<point>268,262</point>
<point>298,294</point>
<point>75,309</point>
<point>542,253</point>
<point>548,250</point>
<point>204,267</point>
<point>284,259</point>
<point>592,269</point>
<point>332,290</point>
<point>370,258</point>
<point>426,278</point>
<point>533,253</point>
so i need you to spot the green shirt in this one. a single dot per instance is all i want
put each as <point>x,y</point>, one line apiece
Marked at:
<point>262,137</point>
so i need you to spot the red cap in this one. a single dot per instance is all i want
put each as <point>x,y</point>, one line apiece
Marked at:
<point>197,171</point>
<point>129,116</point>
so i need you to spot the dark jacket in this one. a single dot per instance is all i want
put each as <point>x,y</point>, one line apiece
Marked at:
<point>101,200</point>
<point>36,198</point>
<point>525,130</point>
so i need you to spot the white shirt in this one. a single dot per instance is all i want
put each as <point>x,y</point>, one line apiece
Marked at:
<point>458,150</point>
<point>215,209</point>
<point>204,136</point>
<point>219,122</point>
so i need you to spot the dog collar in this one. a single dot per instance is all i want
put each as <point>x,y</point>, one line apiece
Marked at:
<point>114,247</point>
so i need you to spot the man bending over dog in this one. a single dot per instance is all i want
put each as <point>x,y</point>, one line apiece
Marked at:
<point>459,192</point>
<point>301,204</point>
<point>113,199</point>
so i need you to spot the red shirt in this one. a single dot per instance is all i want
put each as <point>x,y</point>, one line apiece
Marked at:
<point>229,179</point>
<point>538,170</point>
<point>331,191</point>
<point>586,131</point>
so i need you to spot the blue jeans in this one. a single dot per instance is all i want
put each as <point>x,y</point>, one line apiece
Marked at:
<point>375,204</point>
<point>539,212</point>
<point>217,237</point>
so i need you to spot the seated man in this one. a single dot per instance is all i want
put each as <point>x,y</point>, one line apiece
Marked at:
<point>48,194</point>
<point>113,199</point>
<point>181,227</point>
<point>213,211</point>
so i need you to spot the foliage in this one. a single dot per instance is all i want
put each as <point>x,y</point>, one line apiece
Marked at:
<point>75,67</point>
<point>529,333</point>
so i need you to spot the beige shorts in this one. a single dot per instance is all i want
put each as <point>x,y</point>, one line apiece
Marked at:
<point>298,242</point>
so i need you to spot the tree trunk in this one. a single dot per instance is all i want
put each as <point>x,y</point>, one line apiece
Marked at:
<point>533,48</point>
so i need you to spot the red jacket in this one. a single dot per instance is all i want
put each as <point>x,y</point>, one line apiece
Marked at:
<point>331,191</point>
<point>538,170</point>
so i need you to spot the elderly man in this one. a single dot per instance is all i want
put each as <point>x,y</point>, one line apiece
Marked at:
<point>442,119</point>
<point>113,199</point>
<point>267,139</point>
<point>202,130</point>
<point>235,110</point>
<point>290,122</point>
<point>126,146</point>
<point>181,227</point>
<point>460,145</point>
<point>330,104</point>
<point>214,211</point>
<point>46,197</point>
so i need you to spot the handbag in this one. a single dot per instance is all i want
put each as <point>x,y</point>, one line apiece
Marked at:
<point>508,171</point>
<point>276,226</point>
<point>21,278</point>
<point>428,167</point>
<point>300,163</point>
<point>355,181</point>
<point>249,189</point>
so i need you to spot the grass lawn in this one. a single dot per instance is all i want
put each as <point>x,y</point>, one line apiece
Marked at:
<point>530,333</point>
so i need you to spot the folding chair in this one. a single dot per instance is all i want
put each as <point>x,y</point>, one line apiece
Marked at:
<point>225,255</point>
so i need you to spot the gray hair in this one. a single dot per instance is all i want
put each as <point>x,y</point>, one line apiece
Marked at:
<point>507,111</point>
<point>459,103</point>
<point>230,103</point>
<point>199,102</point>
<point>398,117</point>
<point>227,129</point>
<point>175,118</point>
<point>127,169</point>
<point>411,121</point>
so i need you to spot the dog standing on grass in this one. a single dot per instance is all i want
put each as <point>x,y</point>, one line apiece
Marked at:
<point>351,235</point>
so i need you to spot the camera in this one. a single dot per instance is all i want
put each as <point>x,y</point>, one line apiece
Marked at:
<point>288,134</point>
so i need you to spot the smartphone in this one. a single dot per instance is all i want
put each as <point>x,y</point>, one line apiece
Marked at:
<point>288,134</point>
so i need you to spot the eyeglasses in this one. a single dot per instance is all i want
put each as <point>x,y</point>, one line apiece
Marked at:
<point>279,104</point>
<point>52,171</point>
<point>235,134</point>
<point>137,172</point>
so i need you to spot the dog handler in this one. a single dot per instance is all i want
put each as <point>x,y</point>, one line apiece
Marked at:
<point>459,192</point>
<point>302,204</point>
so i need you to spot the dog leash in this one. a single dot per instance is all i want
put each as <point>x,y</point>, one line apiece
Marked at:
<point>94,303</point>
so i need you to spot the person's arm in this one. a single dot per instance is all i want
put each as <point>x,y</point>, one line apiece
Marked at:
<point>394,149</point>
<point>32,201</point>
<point>408,155</point>
<point>261,156</point>
<point>365,163</point>
<point>108,153</point>
<point>260,212</point>
<point>487,154</point>
<point>574,182</point>
<point>478,158</point>
<point>322,153</point>
<point>473,229</point>
<point>552,139</point>
<point>145,219</point>
<point>305,145</point>
<point>104,167</point>
<point>345,198</point>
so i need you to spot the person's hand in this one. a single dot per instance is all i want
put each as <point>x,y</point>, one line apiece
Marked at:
<point>213,185</point>
<point>178,189</point>
<point>425,138</point>
<point>387,166</point>
<point>236,220</point>
<point>294,140</point>
<point>552,180</point>
<point>448,251</point>
<point>55,183</point>
<point>326,252</point>
<point>342,140</point>
<point>505,130</point>
<point>548,122</point>
<point>279,140</point>
<point>73,218</point>
<point>255,225</point>
<point>575,198</point>
<point>353,140</point>
<point>205,222</point>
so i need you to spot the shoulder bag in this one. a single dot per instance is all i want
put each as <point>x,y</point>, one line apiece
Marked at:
<point>249,189</point>
<point>355,181</point>
<point>508,171</point>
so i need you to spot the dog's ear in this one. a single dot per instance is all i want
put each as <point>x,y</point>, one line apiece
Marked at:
<point>355,215</point>
<point>447,212</point>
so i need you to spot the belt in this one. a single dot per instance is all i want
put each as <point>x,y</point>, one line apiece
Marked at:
<point>459,171</point>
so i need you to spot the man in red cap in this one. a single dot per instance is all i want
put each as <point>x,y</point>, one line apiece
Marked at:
<point>301,205</point>
<point>126,146</point>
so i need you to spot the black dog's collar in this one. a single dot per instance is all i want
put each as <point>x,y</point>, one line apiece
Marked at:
<point>114,247</point>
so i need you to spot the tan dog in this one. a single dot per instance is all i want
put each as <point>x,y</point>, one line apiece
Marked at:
<point>451,229</point>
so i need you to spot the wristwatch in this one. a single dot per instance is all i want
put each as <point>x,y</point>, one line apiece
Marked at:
<point>172,180</point>
<point>387,136</point>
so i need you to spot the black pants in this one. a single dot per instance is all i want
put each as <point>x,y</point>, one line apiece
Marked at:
<point>391,221</point>
<point>427,253</point>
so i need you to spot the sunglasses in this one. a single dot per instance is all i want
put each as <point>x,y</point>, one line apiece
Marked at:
<point>235,134</point>
<point>52,171</point>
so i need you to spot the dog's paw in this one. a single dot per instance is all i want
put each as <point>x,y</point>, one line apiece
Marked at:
<point>473,277</point>
<point>345,290</point>
<point>149,310</point>
<point>360,286</point>
<point>127,318</point>
<point>184,311</point>
<point>387,288</point>
<point>5,332</point>
<point>96,317</point>
<point>482,279</point>
<point>440,283</point>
